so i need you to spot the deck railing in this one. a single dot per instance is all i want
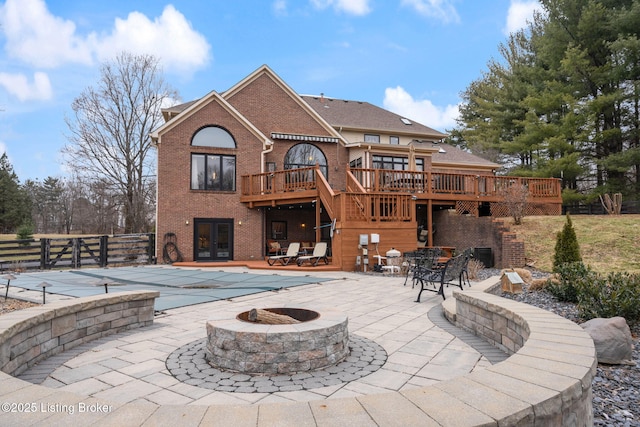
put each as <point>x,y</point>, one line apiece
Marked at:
<point>288,180</point>
<point>386,195</point>
<point>385,180</point>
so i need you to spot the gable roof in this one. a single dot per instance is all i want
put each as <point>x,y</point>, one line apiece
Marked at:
<point>264,70</point>
<point>192,106</point>
<point>334,113</point>
<point>359,115</point>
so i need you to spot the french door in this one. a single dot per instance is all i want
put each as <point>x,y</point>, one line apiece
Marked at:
<point>213,239</point>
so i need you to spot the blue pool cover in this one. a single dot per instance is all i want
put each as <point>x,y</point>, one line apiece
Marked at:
<point>178,287</point>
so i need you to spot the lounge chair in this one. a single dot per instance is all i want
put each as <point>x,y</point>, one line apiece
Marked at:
<point>292,254</point>
<point>319,253</point>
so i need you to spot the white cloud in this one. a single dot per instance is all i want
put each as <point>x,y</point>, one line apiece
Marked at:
<point>442,10</point>
<point>35,36</point>
<point>169,37</point>
<point>19,86</point>
<point>280,7</point>
<point>423,111</point>
<point>520,12</point>
<point>38,38</point>
<point>353,7</point>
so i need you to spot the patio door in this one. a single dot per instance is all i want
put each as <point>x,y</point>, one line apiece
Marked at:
<point>213,239</point>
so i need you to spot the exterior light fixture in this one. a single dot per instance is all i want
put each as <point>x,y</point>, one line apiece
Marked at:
<point>9,278</point>
<point>44,286</point>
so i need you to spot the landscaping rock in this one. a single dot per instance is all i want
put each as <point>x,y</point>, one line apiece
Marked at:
<point>612,338</point>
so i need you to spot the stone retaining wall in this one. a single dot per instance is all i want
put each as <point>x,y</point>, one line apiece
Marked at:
<point>546,381</point>
<point>553,360</point>
<point>31,335</point>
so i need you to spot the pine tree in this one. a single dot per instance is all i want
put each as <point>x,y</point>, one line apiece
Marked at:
<point>14,202</point>
<point>567,249</point>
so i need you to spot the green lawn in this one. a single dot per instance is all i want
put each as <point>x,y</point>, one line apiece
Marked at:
<point>607,243</point>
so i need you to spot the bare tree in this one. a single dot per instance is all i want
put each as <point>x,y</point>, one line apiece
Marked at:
<point>515,199</point>
<point>109,140</point>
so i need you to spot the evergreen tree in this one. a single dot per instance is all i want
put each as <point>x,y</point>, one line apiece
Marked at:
<point>564,101</point>
<point>567,249</point>
<point>14,202</point>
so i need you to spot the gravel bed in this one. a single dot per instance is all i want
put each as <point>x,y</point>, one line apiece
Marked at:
<point>616,388</point>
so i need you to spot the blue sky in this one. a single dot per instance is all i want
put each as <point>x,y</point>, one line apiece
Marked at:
<point>413,57</point>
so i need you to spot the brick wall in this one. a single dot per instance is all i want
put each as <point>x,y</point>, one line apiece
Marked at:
<point>271,110</point>
<point>178,205</point>
<point>468,231</point>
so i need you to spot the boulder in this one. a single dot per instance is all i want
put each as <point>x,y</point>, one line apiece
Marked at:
<point>612,338</point>
<point>524,274</point>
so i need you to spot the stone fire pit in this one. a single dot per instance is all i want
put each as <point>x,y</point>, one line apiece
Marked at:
<point>317,341</point>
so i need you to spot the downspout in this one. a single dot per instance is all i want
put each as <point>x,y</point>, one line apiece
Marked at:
<point>338,151</point>
<point>154,142</point>
<point>268,147</point>
<point>263,153</point>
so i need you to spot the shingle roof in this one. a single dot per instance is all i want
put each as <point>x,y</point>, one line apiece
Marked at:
<point>448,154</point>
<point>363,115</point>
<point>180,107</point>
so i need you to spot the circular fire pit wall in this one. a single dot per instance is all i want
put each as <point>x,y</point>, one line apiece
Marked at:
<point>317,341</point>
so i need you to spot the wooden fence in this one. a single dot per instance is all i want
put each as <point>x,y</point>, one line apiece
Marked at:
<point>77,252</point>
<point>596,208</point>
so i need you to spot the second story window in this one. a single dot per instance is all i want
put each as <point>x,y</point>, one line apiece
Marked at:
<point>396,163</point>
<point>305,155</point>
<point>213,136</point>
<point>394,140</point>
<point>213,172</point>
<point>371,138</point>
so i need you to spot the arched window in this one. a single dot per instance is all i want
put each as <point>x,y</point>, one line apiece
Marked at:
<point>304,155</point>
<point>213,136</point>
<point>213,171</point>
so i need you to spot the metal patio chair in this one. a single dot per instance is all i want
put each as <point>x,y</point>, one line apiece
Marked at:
<point>434,280</point>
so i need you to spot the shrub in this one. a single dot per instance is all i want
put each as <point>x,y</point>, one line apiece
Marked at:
<point>25,232</point>
<point>565,284</point>
<point>617,294</point>
<point>474,267</point>
<point>567,249</point>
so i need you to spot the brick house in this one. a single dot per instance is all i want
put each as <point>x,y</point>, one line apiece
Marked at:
<point>259,163</point>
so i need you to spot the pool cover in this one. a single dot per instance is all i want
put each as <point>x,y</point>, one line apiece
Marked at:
<point>178,287</point>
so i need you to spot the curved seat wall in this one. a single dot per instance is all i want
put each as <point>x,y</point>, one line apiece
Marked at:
<point>545,381</point>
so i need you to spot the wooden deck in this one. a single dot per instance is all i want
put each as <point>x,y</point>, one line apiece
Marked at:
<point>387,195</point>
<point>384,201</point>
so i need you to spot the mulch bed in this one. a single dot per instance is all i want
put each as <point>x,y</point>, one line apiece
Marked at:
<point>14,304</point>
